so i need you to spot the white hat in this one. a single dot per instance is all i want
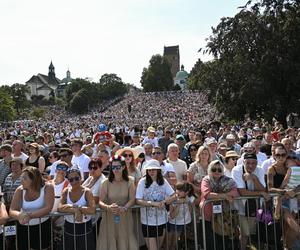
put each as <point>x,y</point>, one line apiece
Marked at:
<point>211,141</point>
<point>132,150</point>
<point>139,150</point>
<point>152,164</point>
<point>230,137</point>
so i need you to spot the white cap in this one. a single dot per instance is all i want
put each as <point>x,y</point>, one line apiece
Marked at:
<point>152,164</point>
<point>230,137</point>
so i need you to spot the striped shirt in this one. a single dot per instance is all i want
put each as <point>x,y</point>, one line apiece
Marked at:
<point>4,171</point>
<point>294,179</point>
<point>10,187</point>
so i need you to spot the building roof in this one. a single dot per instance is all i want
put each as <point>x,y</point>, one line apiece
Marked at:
<point>182,74</point>
<point>44,79</point>
<point>173,50</point>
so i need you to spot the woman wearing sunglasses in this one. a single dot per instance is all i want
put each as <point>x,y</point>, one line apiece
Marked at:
<point>231,158</point>
<point>117,195</point>
<point>217,186</point>
<point>130,156</point>
<point>77,200</point>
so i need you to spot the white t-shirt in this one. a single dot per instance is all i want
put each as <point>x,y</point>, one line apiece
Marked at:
<point>82,162</point>
<point>237,176</point>
<point>180,168</point>
<point>150,215</point>
<point>267,163</point>
<point>23,156</point>
<point>53,167</point>
<point>153,142</point>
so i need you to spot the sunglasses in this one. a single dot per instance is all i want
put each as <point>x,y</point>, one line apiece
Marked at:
<point>234,158</point>
<point>127,155</point>
<point>193,149</point>
<point>118,167</point>
<point>280,155</point>
<point>76,178</point>
<point>61,167</point>
<point>92,168</point>
<point>156,153</point>
<point>214,170</point>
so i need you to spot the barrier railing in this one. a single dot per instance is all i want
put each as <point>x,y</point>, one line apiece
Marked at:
<point>248,222</point>
<point>218,225</point>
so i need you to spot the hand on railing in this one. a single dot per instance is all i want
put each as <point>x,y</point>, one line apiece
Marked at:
<point>266,196</point>
<point>24,218</point>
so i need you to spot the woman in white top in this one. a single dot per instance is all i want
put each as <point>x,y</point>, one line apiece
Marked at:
<point>153,192</point>
<point>32,200</point>
<point>94,182</point>
<point>78,201</point>
<point>59,182</point>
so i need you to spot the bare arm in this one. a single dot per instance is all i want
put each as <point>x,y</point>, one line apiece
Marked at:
<point>3,214</point>
<point>91,206</point>
<point>42,164</point>
<point>15,206</point>
<point>63,207</point>
<point>270,178</point>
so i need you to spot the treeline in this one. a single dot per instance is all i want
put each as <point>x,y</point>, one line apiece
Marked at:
<point>82,94</point>
<point>256,66</point>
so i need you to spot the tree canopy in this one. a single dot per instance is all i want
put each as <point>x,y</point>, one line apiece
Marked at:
<point>158,76</point>
<point>256,66</point>
<point>7,110</point>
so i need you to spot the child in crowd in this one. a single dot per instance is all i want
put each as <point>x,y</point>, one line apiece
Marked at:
<point>180,213</point>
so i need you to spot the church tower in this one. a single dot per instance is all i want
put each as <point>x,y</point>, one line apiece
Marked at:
<point>172,55</point>
<point>51,73</point>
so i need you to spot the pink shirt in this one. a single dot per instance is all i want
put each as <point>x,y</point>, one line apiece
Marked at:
<point>205,191</point>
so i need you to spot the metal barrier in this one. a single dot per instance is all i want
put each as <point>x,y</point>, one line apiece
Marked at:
<point>245,223</point>
<point>228,228</point>
<point>64,236</point>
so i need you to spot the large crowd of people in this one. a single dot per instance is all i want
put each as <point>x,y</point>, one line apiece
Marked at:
<point>167,159</point>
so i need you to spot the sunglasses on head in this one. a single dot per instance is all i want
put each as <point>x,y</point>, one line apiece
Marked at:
<point>91,167</point>
<point>76,178</point>
<point>61,167</point>
<point>127,155</point>
<point>214,170</point>
<point>116,167</point>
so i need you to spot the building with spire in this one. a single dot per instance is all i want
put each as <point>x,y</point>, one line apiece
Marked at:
<point>44,85</point>
<point>61,88</point>
<point>181,78</point>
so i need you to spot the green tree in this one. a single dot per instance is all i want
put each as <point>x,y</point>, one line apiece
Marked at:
<point>37,112</point>
<point>7,110</point>
<point>256,66</point>
<point>158,76</point>
<point>79,103</point>
<point>111,86</point>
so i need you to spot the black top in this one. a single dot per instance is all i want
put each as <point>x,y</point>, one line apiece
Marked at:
<point>33,164</point>
<point>277,179</point>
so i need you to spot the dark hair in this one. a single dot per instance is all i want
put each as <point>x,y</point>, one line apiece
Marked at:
<point>55,154</point>
<point>77,141</point>
<point>95,162</point>
<point>185,187</point>
<point>125,175</point>
<point>68,150</point>
<point>35,176</point>
<point>104,151</point>
<point>159,179</point>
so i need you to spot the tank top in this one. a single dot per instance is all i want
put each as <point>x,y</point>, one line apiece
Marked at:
<point>31,206</point>
<point>33,164</point>
<point>58,188</point>
<point>81,202</point>
<point>277,179</point>
<point>294,179</point>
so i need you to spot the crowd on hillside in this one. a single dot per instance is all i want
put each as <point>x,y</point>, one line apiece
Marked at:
<point>78,165</point>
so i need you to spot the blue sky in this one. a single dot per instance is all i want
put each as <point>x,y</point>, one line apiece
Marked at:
<point>94,37</point>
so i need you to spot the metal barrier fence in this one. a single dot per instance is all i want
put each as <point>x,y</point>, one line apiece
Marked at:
<point>248,223</point>
<point>229,226</point>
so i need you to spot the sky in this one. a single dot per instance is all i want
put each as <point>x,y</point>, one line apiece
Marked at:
<point>94,37</point>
